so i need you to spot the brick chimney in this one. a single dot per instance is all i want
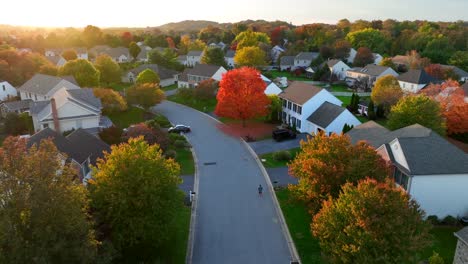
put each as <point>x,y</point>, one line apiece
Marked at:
<point>55,115</point>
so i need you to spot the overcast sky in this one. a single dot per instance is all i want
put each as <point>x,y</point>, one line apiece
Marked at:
<point>142,13</point>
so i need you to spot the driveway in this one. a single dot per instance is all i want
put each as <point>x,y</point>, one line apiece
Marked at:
<point>280,176</point>
<point>233,224</point>
<point>269,145</point>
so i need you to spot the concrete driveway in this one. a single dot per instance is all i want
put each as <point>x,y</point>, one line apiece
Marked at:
<point>269,145</point>
<point>234,224</point>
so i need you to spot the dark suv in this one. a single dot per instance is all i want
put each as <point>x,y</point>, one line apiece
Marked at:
<point>282,134</point>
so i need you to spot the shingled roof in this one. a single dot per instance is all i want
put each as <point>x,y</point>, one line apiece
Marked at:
<point>417,77</point>
<point>195,53</point>
<point>287,60</point>
<point>43,84</point>
<point>205,70</point>
<point>370,69</point>
<point>300,92</point>
<point>88,144</point>
<point>325,114</point>
<point>307,56</point>
<point>161,71</point>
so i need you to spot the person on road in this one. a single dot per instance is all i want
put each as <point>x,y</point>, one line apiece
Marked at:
<point>260,190</point>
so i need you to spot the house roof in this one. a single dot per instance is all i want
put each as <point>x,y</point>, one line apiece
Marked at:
<point>230,54</point>
<point>182,58</point>
<point>161,71</point>
<point>462,235</point>
<point>287,60</point>
<point>195,53</point>
<point>417,77</point>
<point>117,52</point>
<point>325,114</point>
<point>17,105</point>
<point>307,56</point>
<point>433,155</point>
<point>300,92</point>
<point>86,95</point>
<point>88,144</point>
<point>42,84</point>
<point>143,54</point>
<point>37,107</point>
<point>370,69</point>
<point>332,62</point>
<point>400,59</point>
<point>54,59</point>
<point>205,70</point>
<point>99,49</point>
<point>455,69</point>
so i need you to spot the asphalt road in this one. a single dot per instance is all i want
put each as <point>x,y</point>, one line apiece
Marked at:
<point>234,224</point>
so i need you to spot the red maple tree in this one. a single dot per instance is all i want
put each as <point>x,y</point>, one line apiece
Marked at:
<point>241,95</point>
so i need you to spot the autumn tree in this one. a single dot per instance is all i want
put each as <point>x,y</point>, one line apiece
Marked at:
<point>363,57</point>
<point>372,222</point>
<point>387,62</point>
<point>126,38</point>
<point>49,69</point>
<point>109,70</point>
<point>325,163</point>
<point>206,89</point>
<point>84,72</point>
<point>214,56</point>
<point>134,49</point>
<point>111,100</point>
<point>147,76</point>
<point>250,56</point>
<point>417,109</point>
<point>371,38</point>
<point>43,213</point>
<point>386,92</point>
<point>456,119</point>
<point>70,55</point>
<point>135,196</point>
<point>342,49</point>
<point>146,95</point>
<point>459,59</point>
<point>92,36</point>
<point>150,135</point>
<point>241,95</point>
<point>250,38</point>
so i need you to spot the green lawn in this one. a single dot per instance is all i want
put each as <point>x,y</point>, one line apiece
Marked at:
<point>185,160</point>
<point>444,243</point>
<point>345,99</point>
<point>120,86</point>
<point>170,87</point>
<point>286,74</point>
<point>133,115</point>
<point>272,163</point>
<point>298,221</point>
<point>177,251</point>
<point>201,105</point>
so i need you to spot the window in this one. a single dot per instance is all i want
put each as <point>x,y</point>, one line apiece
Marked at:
<point>4,88</point>
<point>294,107</point>
<point>284,102</point>
<point>289,105</point>
<point>401,178</point>
<point>45,126</point>
<point>284,116</point>
<point>298,123</point>
<point>299,110</point>
<point>30,95</point>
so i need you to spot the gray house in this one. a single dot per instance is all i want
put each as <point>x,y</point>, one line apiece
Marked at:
<point>167,77</point>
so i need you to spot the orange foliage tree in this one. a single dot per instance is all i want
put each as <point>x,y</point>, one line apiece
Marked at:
<point>242,95</point>
<point>325,163</point>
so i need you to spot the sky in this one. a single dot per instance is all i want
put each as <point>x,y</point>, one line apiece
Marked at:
<point>149,13</point>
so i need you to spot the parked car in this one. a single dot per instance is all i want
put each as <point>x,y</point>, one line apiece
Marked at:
<point>283,134</point>
<point>179,128</point>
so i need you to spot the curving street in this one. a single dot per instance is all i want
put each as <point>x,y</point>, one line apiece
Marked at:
<point>234,224</point>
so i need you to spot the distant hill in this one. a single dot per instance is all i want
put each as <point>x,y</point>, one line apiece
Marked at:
<point>188,25</point>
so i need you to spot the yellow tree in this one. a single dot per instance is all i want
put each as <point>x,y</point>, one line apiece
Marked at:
<point>386,92</point>
<point>111,100</point>
<point>250,56</point>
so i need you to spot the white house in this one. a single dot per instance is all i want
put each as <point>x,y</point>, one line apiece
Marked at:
<point>119,54</point>
<point>338,68</point>
<point>229,58</point>
<point>377,58</point>
<point>428,167</point>
<point>194,57</point>
<point>304,59</point>
<point>42,87</point>
<point>276,52</point>
<point>351,56</point>
<point>312,109</point>
<point>413,81</point>
<point>287,63</point>
<point>200,72</point>
<point>166,76</point>
<point>7,91</point>
<point>272,88</point>
<point>182,59</point>
<point>67,110</point>
<point>82,53</point>
<point>369,74</point>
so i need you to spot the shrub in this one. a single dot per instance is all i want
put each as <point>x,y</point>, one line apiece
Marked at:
<point>433,219</point>
<point>450,220</point>
<point>185,93</point>
<point>436,259</point>
<point>180,143</point>
<point>153,124</point>
<point>170,154</point>
<point>282,155</point>
<point>173,137</point>
<point>111,135</point>
<point>162,121</point>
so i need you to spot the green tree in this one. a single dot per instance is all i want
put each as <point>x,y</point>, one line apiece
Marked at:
<point>439,50</point>
<point>166,59</point>
<point>386,92</point>
<point>250,56</point>
<point>135,194</point>
<point>417,109</point>
<point>369,37</point>
<point>70,55</point>
<point>214,56</point>
<point>372,223</point>
<point>371,110</point>
<point>15,124</point>
<point>387,62</point>
<point>460,59</point>
<point>274,108</point>
<point>43,214</point>
<point>134,49</point>
<point>110,71</point>
<point>146,95</point>
<point>84,72</point>
<point>250,38</point>
<point>147,76</point>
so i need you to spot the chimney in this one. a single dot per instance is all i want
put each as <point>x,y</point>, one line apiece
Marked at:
<point>55,115</point>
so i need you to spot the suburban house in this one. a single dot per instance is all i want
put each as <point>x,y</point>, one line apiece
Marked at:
<point>286,63</point>
<point>431,169</point>
<point>42,87</point>
<point>304,59</point>
<point>229,58</point>
<point>167,77</point>
<point>182,59</point>
<point>377,58</point>
<point>53,52</point>
<point>119,55</point>
<point>414,80</point>
<point>200,72</point>
<point>79,148</point>
<point>311,109</point>
<point>82,53</point>
<point>17,107</point>
<point>57,60</point>
<point>275,53</point>
<point>367,75</point>
<point>194,57</point>
<point>98,50</point>
<point>143,55</point>
<point>461,251</point>
<point>7,91</point>
<point>67,110</point>
<point>271,87</point>
<point>351,56</point>
<point>462,75</point>
<point>338,68</point>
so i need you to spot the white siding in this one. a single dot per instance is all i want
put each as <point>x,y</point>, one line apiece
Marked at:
<point>219,74</point>
<point>398,154</point>
<point>167,82</point>
<point>89,122</point>
<point>340,70</point>
<point>336,126</point>
<point>32,96</point>
<point>272,88</point>
<point>7,90</point>
<point>441,195</point>
<point>411,87</point>
<point>181,84</point>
